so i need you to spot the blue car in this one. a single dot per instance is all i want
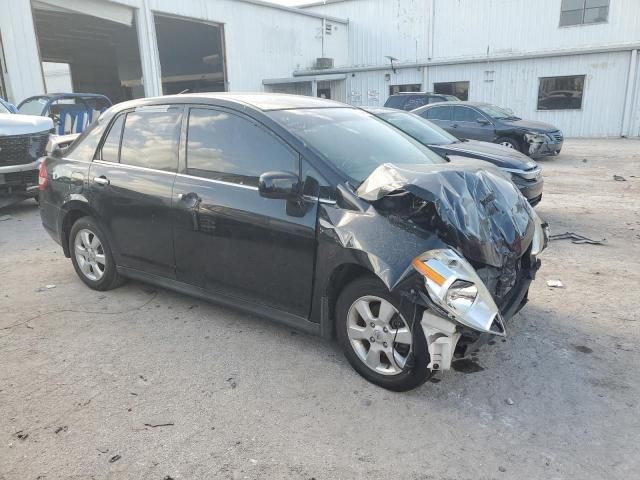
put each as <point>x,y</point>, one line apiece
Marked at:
<point>70,112</point>
<point>6,107</point>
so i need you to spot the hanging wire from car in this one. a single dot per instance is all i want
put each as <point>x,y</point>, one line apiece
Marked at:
<point>409,359</point>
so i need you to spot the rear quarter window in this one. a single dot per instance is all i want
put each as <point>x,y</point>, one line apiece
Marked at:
<point>84,147</point>
<point>414,102</point>
<point>396,101</point>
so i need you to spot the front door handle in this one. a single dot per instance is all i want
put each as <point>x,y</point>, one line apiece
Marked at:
<point>102,180</point>
<point>455,125</point>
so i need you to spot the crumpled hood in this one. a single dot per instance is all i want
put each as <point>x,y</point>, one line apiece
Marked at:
<point>531,125</point>
<point>24,124</point>
<point>477,211</point>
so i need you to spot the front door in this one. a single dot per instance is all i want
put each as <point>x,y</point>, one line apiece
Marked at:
<point>441,116</point>
<point>228,239</point>
<point>471,124</point>
<point>131,183</point>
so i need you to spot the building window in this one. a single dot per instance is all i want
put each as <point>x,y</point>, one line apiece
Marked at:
<point>459,89</point>
<point>583,12</point>
<point>561,93</point>
<point>410,87</point>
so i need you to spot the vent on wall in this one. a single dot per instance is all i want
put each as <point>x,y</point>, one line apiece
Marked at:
<point>324,62</point>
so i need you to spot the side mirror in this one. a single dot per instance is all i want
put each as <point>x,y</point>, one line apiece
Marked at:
<point>279,185</point>
<point>509,111</point>
<point>482,121</point>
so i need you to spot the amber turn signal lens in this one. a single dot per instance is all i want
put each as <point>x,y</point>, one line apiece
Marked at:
<point>428,272</point>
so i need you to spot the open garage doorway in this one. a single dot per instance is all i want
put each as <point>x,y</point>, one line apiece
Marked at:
<point>99,44</point>
<point>191,55</point>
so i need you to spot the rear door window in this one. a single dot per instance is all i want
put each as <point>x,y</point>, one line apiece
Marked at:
<point>396,101</point>
<point>438,113</point>
<point>151,137</point>
<point>232,148</point>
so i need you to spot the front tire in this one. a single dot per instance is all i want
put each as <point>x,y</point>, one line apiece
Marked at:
<point>91,255</point>
<point>509,143</point>
<point>374,329</point>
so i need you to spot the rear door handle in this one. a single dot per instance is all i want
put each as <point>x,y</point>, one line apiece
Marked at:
<point>455,125</point>
<point>188,196</point>
<point>102,180</point>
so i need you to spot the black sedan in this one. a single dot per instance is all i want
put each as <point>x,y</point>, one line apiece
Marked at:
<point>486,122</point>
<point>524,172</point>
<point>307,211</point>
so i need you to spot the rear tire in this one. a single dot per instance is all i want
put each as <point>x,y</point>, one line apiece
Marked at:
<point>92,257</point>
<point>379,344</point>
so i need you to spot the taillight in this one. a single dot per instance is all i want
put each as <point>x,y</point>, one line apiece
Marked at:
<point>43,180</point>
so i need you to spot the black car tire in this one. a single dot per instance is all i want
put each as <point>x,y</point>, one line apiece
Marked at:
<point>109,278</point>
<point>415,372</point>
<point>515,144</point>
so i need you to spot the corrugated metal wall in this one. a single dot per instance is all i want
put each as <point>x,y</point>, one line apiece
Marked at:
<point>497,27</point>
<point>261,42</point>
<point>466,31</point>
<point>514,84</point>
<point>24,74</point>
<point>382,27</point>
<point>372,88</point>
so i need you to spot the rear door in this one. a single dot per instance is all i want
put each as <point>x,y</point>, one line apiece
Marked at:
<point>228,239</point>
<point>467,124</point>
<point>131,181</point>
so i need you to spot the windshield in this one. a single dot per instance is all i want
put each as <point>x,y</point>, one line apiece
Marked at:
<point>354,141</point>
<point>497,112</point>
<point>422,130</point>
<point>32,107</point>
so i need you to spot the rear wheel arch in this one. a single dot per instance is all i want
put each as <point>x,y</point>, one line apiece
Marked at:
<point>70,215</point>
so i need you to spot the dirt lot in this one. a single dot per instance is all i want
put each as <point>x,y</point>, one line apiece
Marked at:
<point>88,378</point>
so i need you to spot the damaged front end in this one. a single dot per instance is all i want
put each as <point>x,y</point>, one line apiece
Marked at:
<point>478,274</point>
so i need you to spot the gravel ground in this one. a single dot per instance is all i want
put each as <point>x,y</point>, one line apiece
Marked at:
<point>145,383</point>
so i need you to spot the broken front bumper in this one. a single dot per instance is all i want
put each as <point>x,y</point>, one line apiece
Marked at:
<point>544,144</point>
<point>461,313</point>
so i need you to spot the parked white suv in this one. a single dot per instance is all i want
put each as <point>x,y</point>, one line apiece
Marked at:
<point>23,141</point>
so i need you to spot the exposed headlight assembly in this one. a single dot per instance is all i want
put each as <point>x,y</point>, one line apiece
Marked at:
<point>454,285</point>
<point>540,236</point>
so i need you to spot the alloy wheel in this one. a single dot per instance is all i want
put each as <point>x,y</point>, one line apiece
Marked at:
<point>90,254</point>
<point>379,335</point>
<point>508,144</point>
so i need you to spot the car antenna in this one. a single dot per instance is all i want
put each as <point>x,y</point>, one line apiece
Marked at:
<point>186,90</point>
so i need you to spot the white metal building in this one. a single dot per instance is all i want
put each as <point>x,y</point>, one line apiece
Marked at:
<point>133,48</point>
<point>572,63</point>
<point>507,52</point>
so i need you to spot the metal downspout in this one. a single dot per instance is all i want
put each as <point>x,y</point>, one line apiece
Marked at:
<point>630,95</point>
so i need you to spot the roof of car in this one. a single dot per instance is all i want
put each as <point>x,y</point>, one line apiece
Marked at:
<point>259,100</point>
<point>456,102</point>
<point>414,93</point>
<point>379,110</point>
